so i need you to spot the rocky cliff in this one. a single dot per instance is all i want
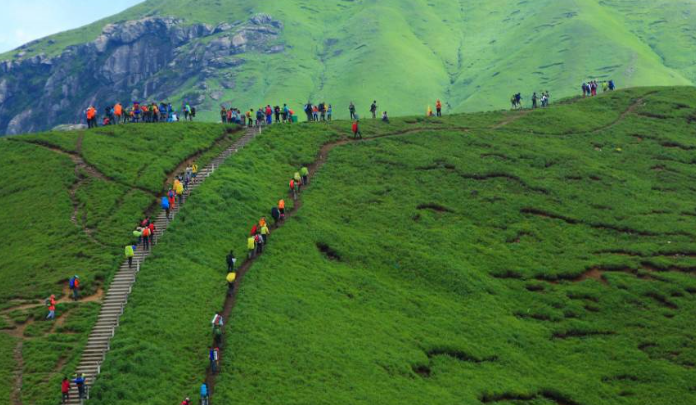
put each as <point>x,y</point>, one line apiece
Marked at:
<point>149,59</point>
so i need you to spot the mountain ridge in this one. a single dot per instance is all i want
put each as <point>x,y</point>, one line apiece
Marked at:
<point>405,54</point>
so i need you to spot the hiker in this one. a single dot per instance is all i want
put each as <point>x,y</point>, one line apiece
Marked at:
<point>351,108</point>
<point>259,244</point>
<point>212,357</point>
<point>373,109</point>
<point>281,208</point>
<point>304,172</point>
<point>138,233</point>
<point>217,320</point>
<point>249,118</point>
<point>356,130</point>
<point>276,111</point>
<point>438,108</point>
<point>385,118</point>
<point>611,85</point>
<point>429,112</point>
<point>298,180</point>
<point>534,100</point>
<point>130,253</point>
<point>231,276</point>
<point>80,382</point>
<point>118,112</point>
<point>260,117</point>
<point>292,189</point>
<point>605,86</point>
<point>146,237</point>
<point>204,394</point>
<point>265,233</point>
<point>171,196</point>
<point>65,390</point>
<point>275,214</point>
<point>165,205</point>
<point>223,115</point>
<point>231,260</point>
<point>251,246</point>
<point>91,114</point>
<point>329,113</point>
<point>153,228</point>
<point>186,401</point>
<point>74,285</point>
<point>194,170</point>
<point>180,191</point>
<point>284,113</point>
<point>51,303</point>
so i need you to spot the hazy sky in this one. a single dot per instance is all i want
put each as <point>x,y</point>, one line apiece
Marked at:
<point>22,21</point>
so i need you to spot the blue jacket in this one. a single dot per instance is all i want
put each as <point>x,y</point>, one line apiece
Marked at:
<point>165,203</point>
<point>204,390</point>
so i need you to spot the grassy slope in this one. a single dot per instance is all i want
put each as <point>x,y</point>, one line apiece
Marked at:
<point>43,247</point>
<point>480,300</point>
<point>471,55</point>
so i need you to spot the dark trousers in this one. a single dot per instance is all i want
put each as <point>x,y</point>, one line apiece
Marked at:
<point>146,242</point>
<point>66,397</point>
<point>439,112</point>
<point>76,294</point>
<point>230,288</point>
<point>130,262</point>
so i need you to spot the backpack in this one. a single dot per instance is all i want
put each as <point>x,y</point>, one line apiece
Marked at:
<point>72,283</point>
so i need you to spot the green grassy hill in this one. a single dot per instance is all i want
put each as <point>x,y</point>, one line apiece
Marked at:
<point>69,204</point>
<point>405,54</point>
<point>541,257</point>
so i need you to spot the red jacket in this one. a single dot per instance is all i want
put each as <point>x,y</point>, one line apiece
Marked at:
<point>355,127</point>
<point>65,386</point>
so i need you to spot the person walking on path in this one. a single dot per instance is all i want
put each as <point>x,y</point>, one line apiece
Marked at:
<point>153,229</point>
<point>213,358</point>
<point>51,302</point>
<point>74,285</point>
<point>259,244</point>
<point>204,394</point>
<point>304,172</point>
<point>80,382</point>
<point>138,233</point>
<point>231,260</point>
<point>65,390</point>
<point>534,100</point>
<point>251,246</point>
<point>180,191</point>
<point>130,253</point>
<point>438,107</point>
<point>351,108</point>
<point>165,205</point>
<point>292,189</point>
<point>329,113</point>
<point>281,208</point>
<point>275,214</point>
<point>298,180</point>
<point>186,401</point>
<point>265,233</point>
<point>231,276</point>
<point>356,130</point>
<point>146,238</point>
<point>373,109</point>
<point>171,195</point>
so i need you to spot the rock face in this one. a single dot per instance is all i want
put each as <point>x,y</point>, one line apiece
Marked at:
<point>149,59</point>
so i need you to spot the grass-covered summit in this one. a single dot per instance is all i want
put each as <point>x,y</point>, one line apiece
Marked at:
<point>404,54</point>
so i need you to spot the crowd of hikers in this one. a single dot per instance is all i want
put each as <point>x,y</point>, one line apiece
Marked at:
<point>589,89</point>
<point>538,100</point>
<point>259,237</point>
<point>138,112</point>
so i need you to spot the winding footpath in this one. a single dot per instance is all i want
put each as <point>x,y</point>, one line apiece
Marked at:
<point>98,343</point>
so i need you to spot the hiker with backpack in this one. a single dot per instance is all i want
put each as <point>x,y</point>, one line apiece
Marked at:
<point>293,190</point>
<point>231,276</point>
<point>534,100</point>
<point>304,172</point>
<point>356,130</point>
<point>298,180</point>
<point>80,382</point>
<point>351,108</point>
<point>251,246</point>
<point>179,191</point>
<point>165,205</point>
<point>275,214</point>
<point>204,394</point>
<point>130,253</point>
<point>74,285</point>
<point>265,233</point>
<point>51,303</point>
<point>438,108</point>
<point>213,355</point>
<point>65,390</point>
<point>146,237</point>
<point>281,208</point>
<point>259,244</point>
<point>385,117</point>
<point>373,109</point>
<point>329,113</point>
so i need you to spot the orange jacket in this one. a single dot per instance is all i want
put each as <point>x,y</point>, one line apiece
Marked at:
<point>281,204</point>
<point>118,110</point>
<point>438,104</point>
<point>91,112</point>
